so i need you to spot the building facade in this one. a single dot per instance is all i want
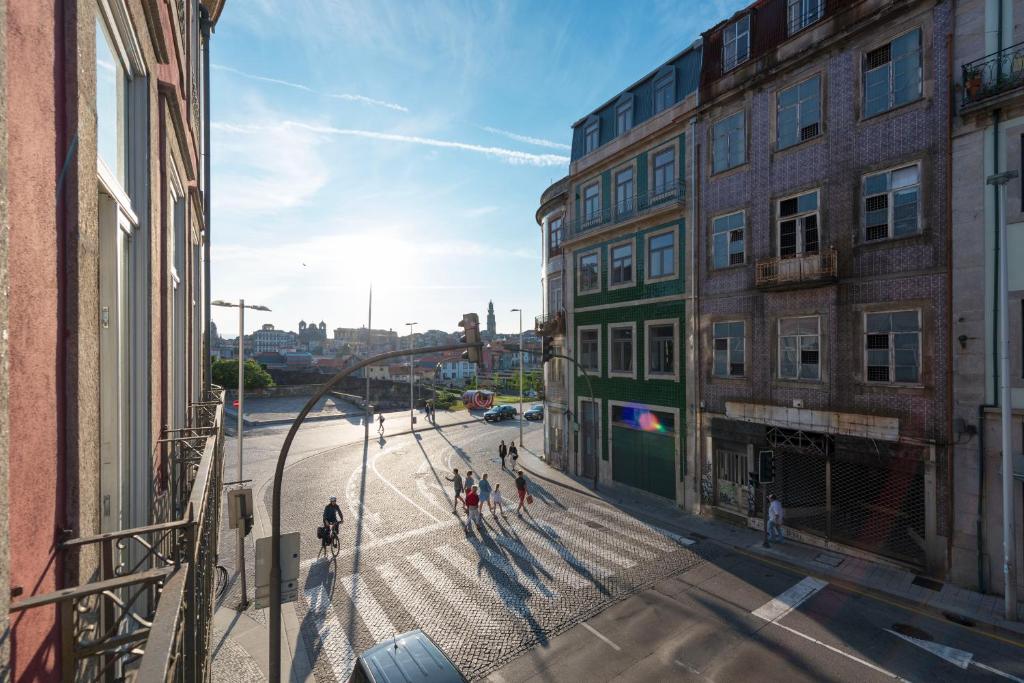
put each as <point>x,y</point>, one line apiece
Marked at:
<point>822,263</point>
<point>988,132</point>
<point>104,244</point>
<point>268,339</point>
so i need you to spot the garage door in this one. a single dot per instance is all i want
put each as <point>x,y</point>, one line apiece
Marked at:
<point>644,450</point>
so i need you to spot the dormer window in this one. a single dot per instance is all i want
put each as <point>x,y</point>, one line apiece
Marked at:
<point>624,114</point>
<point>736,43</point>
<point>802,13</point>
<point>591,135</point>
<point>664,89</point>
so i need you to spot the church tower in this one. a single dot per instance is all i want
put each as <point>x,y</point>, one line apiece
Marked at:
<point>491,324</point>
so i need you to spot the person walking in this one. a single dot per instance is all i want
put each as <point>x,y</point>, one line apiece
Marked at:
<point>502,453</point>
<point>499,501</point>
<point>485,493</point>
<point>456,479</point>
<point>470,480</point>
<point>380,423</point>
<point>514,452</point>
<point>521,490</point>
<point>472,509</point>
<point>775,517</point>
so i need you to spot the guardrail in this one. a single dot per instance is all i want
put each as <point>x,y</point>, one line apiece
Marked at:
<point>795,271</point>
<point>673,194</point>
<point>550,324</point>
<point>147,614</point>
<point>992,74</point>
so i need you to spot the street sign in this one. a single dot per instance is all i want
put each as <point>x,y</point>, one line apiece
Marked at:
<point>235,403</point>
<point>233,506</point>
<point>289,569</point>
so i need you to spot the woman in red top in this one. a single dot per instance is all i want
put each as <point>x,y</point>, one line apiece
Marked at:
<point>473,508</point>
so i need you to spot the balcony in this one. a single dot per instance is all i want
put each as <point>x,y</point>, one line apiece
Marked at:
<point>550,324</point>
<point>992,75</point>
<point>794,272</point>
<point>635,207</point>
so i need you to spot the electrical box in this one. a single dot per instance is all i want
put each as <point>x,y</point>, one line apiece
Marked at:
<point>236,512</point>
<point>289,544</point>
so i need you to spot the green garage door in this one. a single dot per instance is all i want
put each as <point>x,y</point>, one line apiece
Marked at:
<point>644,458</point>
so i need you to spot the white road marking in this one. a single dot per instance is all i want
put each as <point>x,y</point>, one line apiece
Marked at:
<point>424,489</point>
<point>376,620</point>
<point>335,647</point>
<point>593,548</point>
<point>997,672</point>
<point>504,564</point>
<point>788,600</point>
<point>355,505</point>
<point>592,568</point>
<point>531,558</point>
<point>396,489</point>
<point>686,666</point>
<point>840,652</point>
<point>600,635</point>
<point>629,521</point>
<point>956,657</point>
<point>441,583</point>
<point>507,594</point>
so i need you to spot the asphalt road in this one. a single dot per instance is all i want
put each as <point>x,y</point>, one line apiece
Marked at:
<point>576,590</point>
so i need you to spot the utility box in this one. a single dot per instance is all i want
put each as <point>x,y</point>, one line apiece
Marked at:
<point>289,544</point>
<point>236,514</point>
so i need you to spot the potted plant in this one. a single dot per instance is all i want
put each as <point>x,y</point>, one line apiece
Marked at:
<point>972,82</point>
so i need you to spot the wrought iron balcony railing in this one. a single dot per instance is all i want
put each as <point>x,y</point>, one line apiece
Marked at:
<point>801,270</point>
<point>550,324</point>
<point>657,199</point>
<point>993,74</point>
<point>147,613</point>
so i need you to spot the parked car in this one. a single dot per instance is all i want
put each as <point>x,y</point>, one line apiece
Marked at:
<point>499,413</point>
<point>535,414</point>
<point>410,657</point>
<point>530,394</point>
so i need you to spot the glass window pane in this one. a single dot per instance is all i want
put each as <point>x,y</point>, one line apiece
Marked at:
<point>876,184</point>
<point>721,250</point>
<point>905,212</point>
<point>906,44</point>
<point>876,90</point>
<point>906,373</point>
<point>905,177</point>
<point>807,202</point>
<point>721,363</point>
<point>736,331</point>
<point>110,103</point>
<point>787,327</point>
<point>809,88</point>
<point>789,97</point>
<point>879,322</point>
<point>905,321</point>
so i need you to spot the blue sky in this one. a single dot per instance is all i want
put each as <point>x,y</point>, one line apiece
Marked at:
<point>407,143</point>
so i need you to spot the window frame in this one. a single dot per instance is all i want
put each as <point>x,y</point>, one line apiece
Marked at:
<point>619,212</point>
<point>891,208</point>
<point>612,372</point>
<point>729,349</point>
<point>799,337</point>
<point>596,253</point>
<point>676,256</point>
<point>892,348</point>
<point>891,99</point>
<point>612,285</point>
<point>592,127</point>
<point>594,371</point>
<point>715,219</point>
<point>801,229</point>
<point>588,219</point>
<point>624,109</point>
<point>670,189</point>
<point>714,136</point>
<point>555,277</point>
<point>791,29</point>
<point>552,245</point>
<point>664,81</point>
<point>799,109</point>
<point>648,372</point>
<point>726,41</point>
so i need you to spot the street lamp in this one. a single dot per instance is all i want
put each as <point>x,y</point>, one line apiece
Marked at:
<point>412,401</point>
<point>520,311</point>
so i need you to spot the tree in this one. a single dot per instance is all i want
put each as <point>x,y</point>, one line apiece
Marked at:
<point>225,373</point>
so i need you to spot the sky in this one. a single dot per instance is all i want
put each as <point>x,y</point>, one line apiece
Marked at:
<point>406,144</point>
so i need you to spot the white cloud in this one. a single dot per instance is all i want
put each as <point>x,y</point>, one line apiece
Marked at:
<point>510,156</point>
<point>479,211</point>
<point>540,142</point>
<point>305,88</point>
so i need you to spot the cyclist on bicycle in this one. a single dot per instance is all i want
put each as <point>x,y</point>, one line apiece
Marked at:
<point>332,516</point>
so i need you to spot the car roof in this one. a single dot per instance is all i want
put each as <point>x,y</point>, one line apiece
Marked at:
<point>409,658</point>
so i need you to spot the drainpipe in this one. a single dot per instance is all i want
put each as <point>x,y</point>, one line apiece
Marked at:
<point>950,480</point>
<point>995,261</point>
<point>205,25</point>
<point>695,313</point>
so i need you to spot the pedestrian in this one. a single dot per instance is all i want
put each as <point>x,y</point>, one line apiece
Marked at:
<point>472,508</point>
<point>775,516</point>
<point>380,423</point>
<point>502,453</point>
<point>499,501</point>
<point>485,493</point>
<point>514,452</point>
<point>470,480</point>
<point>456,479</point>
<point>521,490</point>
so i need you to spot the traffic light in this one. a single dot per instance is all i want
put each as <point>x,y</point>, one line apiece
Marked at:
<point>766,466</point>
<point>547,349</point>
<point>471,324</point>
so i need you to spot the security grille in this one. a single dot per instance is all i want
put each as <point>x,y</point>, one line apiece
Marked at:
<point>870,500</point>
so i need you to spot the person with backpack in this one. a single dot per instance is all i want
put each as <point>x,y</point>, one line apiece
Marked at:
<point>332,520</point>
<point>502,453</point>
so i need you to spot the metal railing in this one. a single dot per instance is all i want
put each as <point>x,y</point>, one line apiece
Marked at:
<point>802,269</point>
<point>992,74</point>
<point>147,613</point>
<point>638,205</point>
<point>550,324</point>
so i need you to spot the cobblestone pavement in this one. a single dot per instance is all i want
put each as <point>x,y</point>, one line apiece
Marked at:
<point>484,595</point>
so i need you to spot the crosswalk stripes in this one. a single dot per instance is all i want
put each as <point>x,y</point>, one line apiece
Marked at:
<point>528,574</point>
<point>367,607</point>
<point>424,612</point>
<point>334,646</point>
<point>575,575</point>
<point>442,583</point>
<point>634,543</point>
<point>512,599</point>
<point>578,542</point>
<point>666,539</point>
<point>590,568</point>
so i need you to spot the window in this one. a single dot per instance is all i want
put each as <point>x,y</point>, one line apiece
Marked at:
<point>591,136</point>
<point>892,74</point>
<point>591,202</point>
<point>555,235</point>
<point>661,348</point>
<point>661,256</point>
<point>736,43</point>
<point>664,90</point>
<point>554,294</point>
<point>624,115</point>
<point>799,113</point>
<point>893,347</point>
<point>590,349</point>
<point>730,145</point>
<point>589,277</point>
<point>892,203</point>
<point>729,349</point>
<point>665,173</point>
<point>620,341</point>
<point>624,192</point>
<point>802,13</point>
<point>621,272</point>
<point>727,240</point>
<point>111,90</point>
<point>798,225</point>
<point>799,348</point>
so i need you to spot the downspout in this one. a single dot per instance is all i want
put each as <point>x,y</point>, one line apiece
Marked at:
<point>695,313</point>
<point>205,26</point>
<point>950,480</point>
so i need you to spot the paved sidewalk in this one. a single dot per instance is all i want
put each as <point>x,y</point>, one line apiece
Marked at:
<point>265,412</point>
<point>847,571</point>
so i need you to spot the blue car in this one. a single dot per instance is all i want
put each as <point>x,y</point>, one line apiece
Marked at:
<point>535,414</point>
<point>499,413</point>
<point>409,658</point>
